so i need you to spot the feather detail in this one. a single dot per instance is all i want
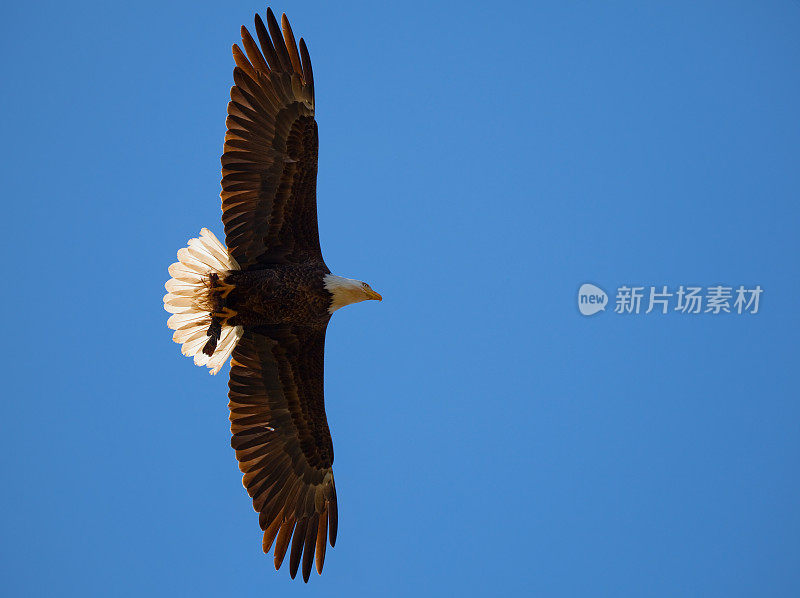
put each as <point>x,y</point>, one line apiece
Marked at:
<point>187,300</point>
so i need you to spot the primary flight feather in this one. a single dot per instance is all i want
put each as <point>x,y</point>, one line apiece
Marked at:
<point>266,299</point>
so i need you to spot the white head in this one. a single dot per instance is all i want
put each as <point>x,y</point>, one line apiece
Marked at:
<point>346,291</point>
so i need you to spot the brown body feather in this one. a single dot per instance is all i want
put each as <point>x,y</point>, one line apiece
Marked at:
<point>283,294</point>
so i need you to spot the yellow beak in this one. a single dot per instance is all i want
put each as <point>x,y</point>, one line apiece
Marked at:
<point>373,295</point>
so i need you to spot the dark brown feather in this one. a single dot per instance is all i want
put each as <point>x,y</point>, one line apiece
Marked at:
<point>253,53</point>
<point>240,59</point>
<point>282,442</point>
<point>269,164</point>
<point>298,541</point>
<point>269,535</point>
<point>308,73</point>
<point>333,516</point>
<point>322,540</point>
<point>291,45</point>
<point>278,43</point>
<point>266,44</point>
<point>308,549</point>
<point>282,542</point>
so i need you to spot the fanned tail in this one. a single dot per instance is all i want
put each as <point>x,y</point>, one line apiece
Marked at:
<point>191,301</point>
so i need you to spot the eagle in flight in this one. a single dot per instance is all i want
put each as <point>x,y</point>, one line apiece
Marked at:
<point>266,299</point>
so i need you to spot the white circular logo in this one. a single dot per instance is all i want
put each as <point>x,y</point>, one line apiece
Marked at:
<point>591,299</point>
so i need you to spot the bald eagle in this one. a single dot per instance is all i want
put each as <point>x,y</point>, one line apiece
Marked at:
<point>266,299</point>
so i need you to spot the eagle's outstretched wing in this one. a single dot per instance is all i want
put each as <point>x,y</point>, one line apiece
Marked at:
<point>269,164</point>
<point>282,440</point>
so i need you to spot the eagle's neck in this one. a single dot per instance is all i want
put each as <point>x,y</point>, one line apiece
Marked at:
<point>344,291</point>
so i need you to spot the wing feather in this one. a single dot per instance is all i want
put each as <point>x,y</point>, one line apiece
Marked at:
<point>269,163</point>
<point>278,42</point>
<point>282,542</point>
<point>291,45</point>
<point>269,535</point>
<point>298,540</point>
<point>322,539</point>
<point>266,44</point>
<point>308,548</point>
<point>253,53</point>
<point>282,441</point>
<point>308,74</point>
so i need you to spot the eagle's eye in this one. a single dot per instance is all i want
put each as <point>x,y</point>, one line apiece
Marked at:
<point>365,285</point>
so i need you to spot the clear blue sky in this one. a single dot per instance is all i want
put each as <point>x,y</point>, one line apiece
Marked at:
<point>478,162</point>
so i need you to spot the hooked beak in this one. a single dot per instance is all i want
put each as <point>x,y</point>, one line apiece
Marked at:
<point>373,295</point>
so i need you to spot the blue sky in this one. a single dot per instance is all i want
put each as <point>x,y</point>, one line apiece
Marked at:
<point>477,165</point>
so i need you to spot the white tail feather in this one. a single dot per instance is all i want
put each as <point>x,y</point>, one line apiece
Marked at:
<point>186,300</point>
